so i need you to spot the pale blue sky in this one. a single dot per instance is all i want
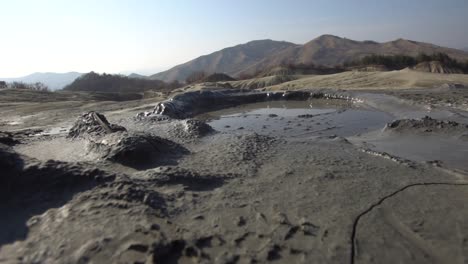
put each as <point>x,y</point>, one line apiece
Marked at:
<point>148,36</point>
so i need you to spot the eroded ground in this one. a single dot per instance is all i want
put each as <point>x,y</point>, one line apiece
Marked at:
<point>316,181</point>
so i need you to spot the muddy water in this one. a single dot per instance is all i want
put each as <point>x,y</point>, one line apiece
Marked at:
<point>298,118</point>
<point>449,151</point>
<point>361,123</point>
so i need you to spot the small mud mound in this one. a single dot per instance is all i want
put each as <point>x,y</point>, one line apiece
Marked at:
<point>191,128</point>
<point>136,150</point>
<point>253,144</point>
<point>93,124</point>
<point>126,193</point>
<point>426,125</point>
<point>197,127</point>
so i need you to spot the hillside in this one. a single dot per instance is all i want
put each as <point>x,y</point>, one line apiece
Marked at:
<point>54,81</point>
<point>325,50</point>
<point>136,75</point>
<point>436,67</point>
<point>229,60</point>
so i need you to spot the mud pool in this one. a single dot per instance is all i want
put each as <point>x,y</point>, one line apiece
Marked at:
<point>316,117</point>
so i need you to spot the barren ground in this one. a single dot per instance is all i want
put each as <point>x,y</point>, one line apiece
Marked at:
<point>237,195</point>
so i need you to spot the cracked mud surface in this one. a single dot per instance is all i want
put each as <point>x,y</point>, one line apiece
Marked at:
<point>233,196</point>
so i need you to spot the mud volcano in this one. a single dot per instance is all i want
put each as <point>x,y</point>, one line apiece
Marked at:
<point>232,176</point>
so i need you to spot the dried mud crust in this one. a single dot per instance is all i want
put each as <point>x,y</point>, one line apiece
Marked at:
<point>427,125</point>
<point>242,155</point>
<point>233,199</point>
<point>189,179</point>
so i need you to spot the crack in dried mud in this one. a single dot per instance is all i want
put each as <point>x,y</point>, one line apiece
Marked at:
<point>380,202</point>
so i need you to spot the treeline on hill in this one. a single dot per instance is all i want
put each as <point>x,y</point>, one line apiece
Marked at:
<point>201,76</point>
<point>398,62</point>
<point>293,69</point>
<point>38,86</point>
<point>118,84</point>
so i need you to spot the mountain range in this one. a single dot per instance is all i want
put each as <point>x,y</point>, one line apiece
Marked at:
<point>259,55</point>
<point>326,50</point>
<point>54,81</point>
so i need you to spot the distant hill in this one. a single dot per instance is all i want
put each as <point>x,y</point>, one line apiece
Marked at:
<point>136,75</point>
<point>326,50</point>
<point>229,60</point>
<point>54,81</point>
<point>94,82</point>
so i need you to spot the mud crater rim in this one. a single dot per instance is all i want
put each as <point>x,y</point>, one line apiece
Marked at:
<point>298,118</point>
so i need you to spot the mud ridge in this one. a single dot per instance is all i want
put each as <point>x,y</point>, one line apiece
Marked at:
<point>379,202</point>
<point>189,104</point>
<point>385,155</point>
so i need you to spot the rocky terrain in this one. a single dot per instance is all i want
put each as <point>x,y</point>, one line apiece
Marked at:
<point>151,182</point>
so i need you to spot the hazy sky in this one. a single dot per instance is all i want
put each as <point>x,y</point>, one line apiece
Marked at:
<point>147,36</point>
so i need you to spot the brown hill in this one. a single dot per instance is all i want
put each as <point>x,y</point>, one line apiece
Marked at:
<point>229,60</point>
<point>330,50</point>
<point>326,50</point>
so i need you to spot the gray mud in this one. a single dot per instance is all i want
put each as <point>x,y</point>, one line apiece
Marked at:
<point>298,118</point>
<point>176,185</point>
<point>428,140</point>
